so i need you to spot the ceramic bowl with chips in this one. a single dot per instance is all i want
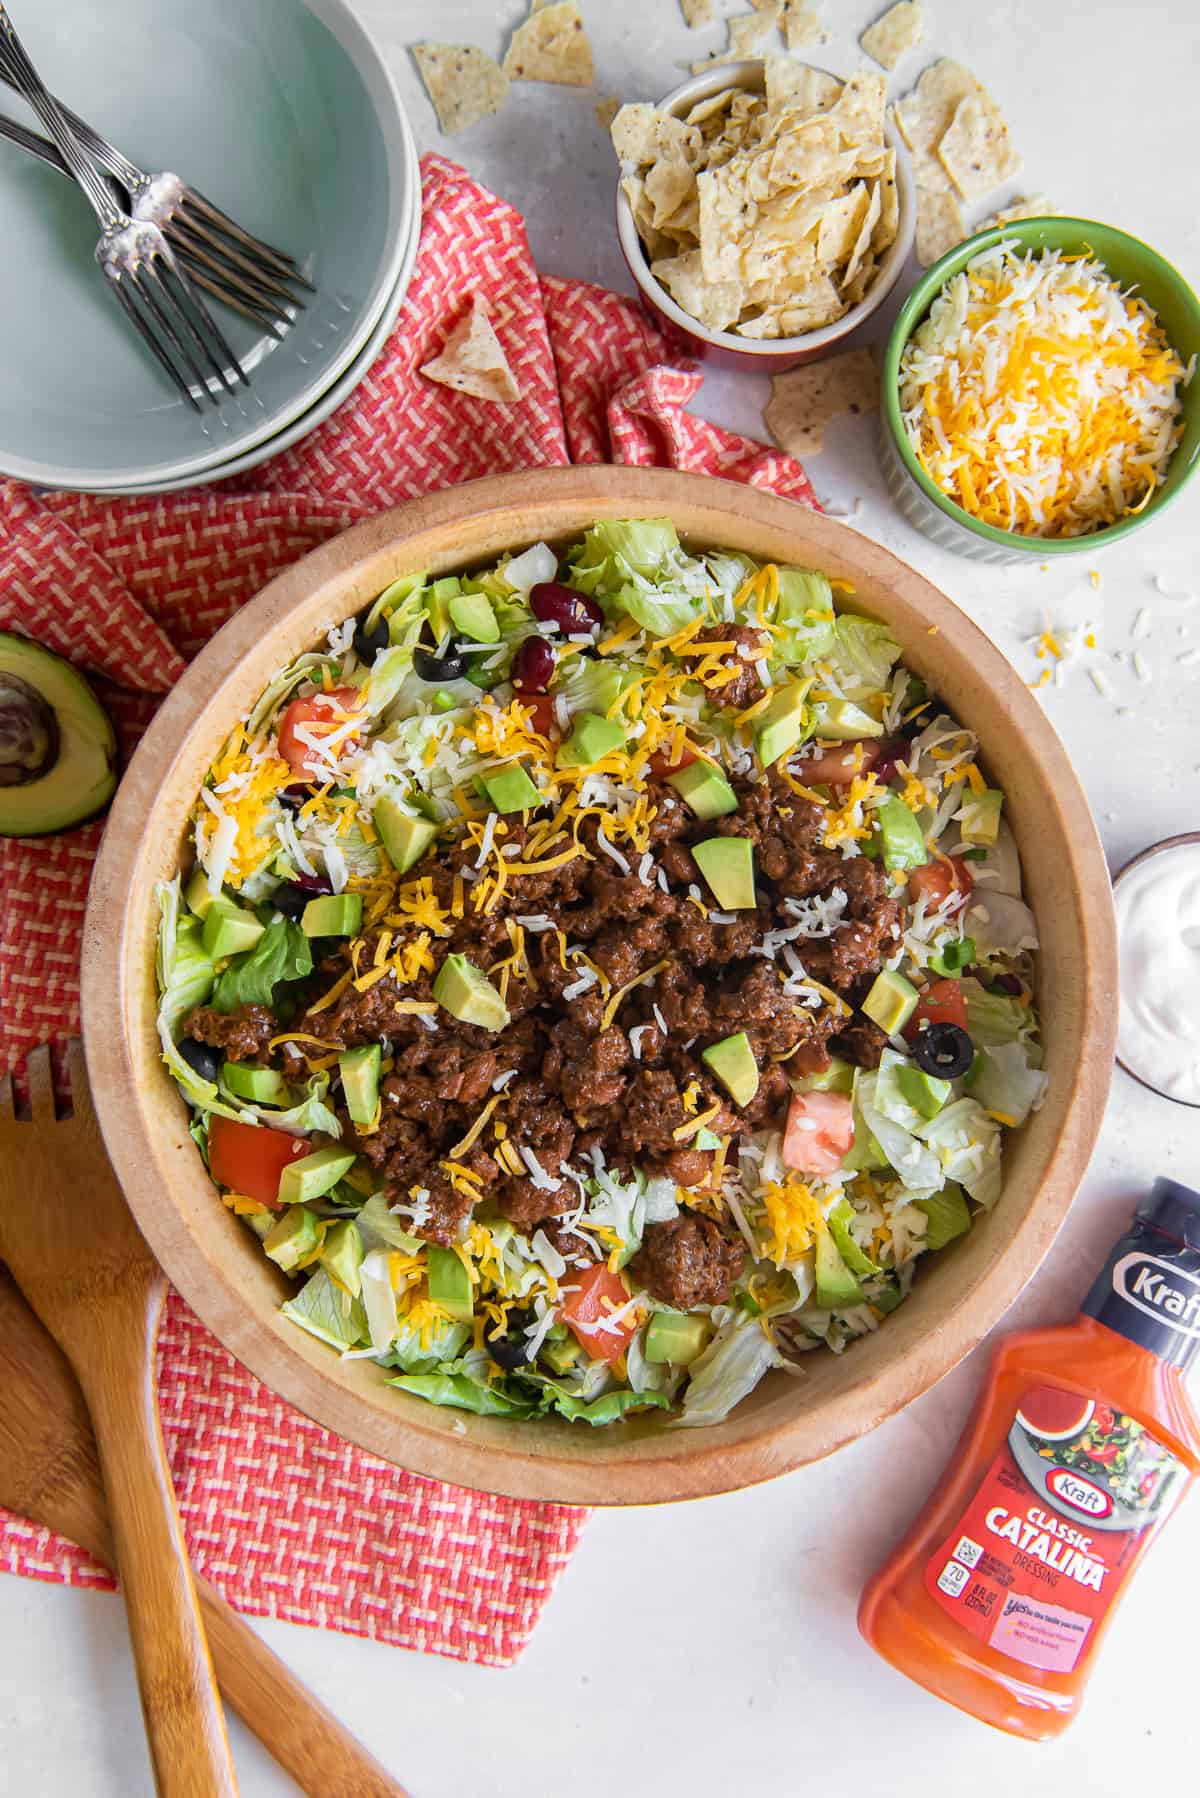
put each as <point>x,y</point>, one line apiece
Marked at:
<point>768,355</point>
<point>1128,261</point>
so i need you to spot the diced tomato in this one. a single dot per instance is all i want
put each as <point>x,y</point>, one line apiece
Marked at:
<point>937,880</point>
<point>321,714</point>
<point>1105,1454</point>
<point>838,765</point>
<point>662,765</point>
<point>819,1132</point>
<point>541,709</point>
<point>590,1298</point>
<point>248,1158</point>
<point>942,1003</point>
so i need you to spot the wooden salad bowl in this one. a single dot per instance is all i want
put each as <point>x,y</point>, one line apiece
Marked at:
<point>218,1265</point>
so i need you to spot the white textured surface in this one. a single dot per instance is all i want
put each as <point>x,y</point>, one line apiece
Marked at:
<point>695,1649</point>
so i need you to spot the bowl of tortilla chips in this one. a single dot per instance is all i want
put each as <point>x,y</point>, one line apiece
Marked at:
<point>764,209</point>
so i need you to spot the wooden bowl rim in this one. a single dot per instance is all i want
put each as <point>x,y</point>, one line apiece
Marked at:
<point>630,1466</point>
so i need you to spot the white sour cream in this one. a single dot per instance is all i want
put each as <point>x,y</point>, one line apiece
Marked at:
<point>1158,921</point>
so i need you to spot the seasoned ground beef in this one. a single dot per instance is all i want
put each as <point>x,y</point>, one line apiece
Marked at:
<point>688,1261</point>
<point>632,1086</point>
<point>242,1035</point>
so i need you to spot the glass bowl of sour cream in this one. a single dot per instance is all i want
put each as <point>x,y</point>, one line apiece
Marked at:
<point>1157,900</point>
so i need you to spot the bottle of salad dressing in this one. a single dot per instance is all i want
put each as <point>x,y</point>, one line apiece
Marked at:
<point>1082,1445</point>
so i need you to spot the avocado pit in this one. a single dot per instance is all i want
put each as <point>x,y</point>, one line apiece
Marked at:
<point>29,733</point>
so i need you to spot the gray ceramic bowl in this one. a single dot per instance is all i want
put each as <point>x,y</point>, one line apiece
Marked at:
<point>284,113</point>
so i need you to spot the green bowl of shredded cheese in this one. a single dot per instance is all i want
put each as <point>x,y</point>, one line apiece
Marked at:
<point>1038,391</point>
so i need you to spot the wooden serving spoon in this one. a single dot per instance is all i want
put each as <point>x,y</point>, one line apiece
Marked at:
<point>50,1473</point>
<point>79,1258</point>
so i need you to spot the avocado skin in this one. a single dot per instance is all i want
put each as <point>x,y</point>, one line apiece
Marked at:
<point>84,729</point>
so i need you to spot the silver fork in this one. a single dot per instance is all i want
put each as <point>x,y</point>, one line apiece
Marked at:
<point>227,261</point>
<point>135,258</point>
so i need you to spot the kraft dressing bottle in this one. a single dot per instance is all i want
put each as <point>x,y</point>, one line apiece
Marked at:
<point>1081,1446</point>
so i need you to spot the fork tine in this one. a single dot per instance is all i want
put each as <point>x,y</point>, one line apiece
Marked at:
<point>254,245</point>
<point>151,288</point>
<point>227,262</point>
<point>151,309</point>
<point>258,315</point>
<point>197,318</point>
<point>145,331</point>
<point>8,1108</point>
<point>41,1084</point>
<point>81,1091</point>
<point>229,278</point>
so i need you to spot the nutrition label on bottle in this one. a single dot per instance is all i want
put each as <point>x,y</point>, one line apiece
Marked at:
<point>1055,1527</point>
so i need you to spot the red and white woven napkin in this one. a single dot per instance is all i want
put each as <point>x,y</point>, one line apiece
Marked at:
<point>284,1518</point>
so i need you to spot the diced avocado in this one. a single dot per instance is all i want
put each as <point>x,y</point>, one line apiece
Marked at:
<point>841,721</point>
<point>334,914</point>
<point>891,1001</point>
<point>856,1258</point>
<point>838,1077</point>
<point>313,1175</point>
<point>924,1092</point>
<point>560,1357</point>
<point>404,837</point>
<point>727,863</point>
<point>437,604</point>
<point>836,1285</point>
<point>228,930</point>
<point>468,994</point>
<point>732,1062</point>
<point>472,614</point>
<point>342,1255</point>
<point>901,840</point>
<point>887,1299</point>
<point>948,1213</point>
<point>704,790</point>
<point>592,737</point>
<point>359,1069</point>
<point>706,1140</point>
<point>262,1086</point>
<point>450,1284</point>
<point>294,1238</point>
<point>197,895</point>
<point>676,1337</point>
<point>511,790</point>
<point>783,724</point>
<point>980,820</point>
<point>261,1222</point>
<point>58,751</point>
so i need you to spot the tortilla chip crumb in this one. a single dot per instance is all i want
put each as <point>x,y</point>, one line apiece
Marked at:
<point>551,45</point>
<point>939,225</point>
<point>472,361</point>
<point>748,32</point>
<point>1037,206</point>
<point>696,13</point>
<point>606,111</point>
<point>463,83</point>
<point>900,29</point>
<point>805,400</point>
<point>802,25</point>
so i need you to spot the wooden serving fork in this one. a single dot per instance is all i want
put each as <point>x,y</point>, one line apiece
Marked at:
<point>77,1255</point>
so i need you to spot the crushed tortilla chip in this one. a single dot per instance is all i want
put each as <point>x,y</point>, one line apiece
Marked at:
<point>551,45</point>
<point>696,13</point>
<point>901,28</point>
<point>939,225</point>
<point>606,111</point>
<point>1037,206</point>
<point>463,84</point>
<point>472,361</point>
<point>782,201</point>
<point>976,151</point>
<point>747,34</point>
<point>805,400</point>
<point>802,25</point>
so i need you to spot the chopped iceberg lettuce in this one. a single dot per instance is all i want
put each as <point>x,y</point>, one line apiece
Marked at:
<point>994,1018</point>
<point>380,1229</point>
<point>998,924</point>
<point>966,1145</point>
<point>283,952</point>
<point>608,1407</point>
<point>442,1343</point>
<point>1003,1081</point>
<point>730,1367</point>
<point>185,972</point>
<point>804,617</point>
<point>379,1299</point>
<point>862,656</point>
<point>617,548</point>
<point>463,1394</point>
<point>534,565</point>
<point>661,614</point>
<point>327,1312</point>
<point>916,1166</point>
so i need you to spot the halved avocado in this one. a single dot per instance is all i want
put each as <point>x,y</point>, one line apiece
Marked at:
<point>58,751</point>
